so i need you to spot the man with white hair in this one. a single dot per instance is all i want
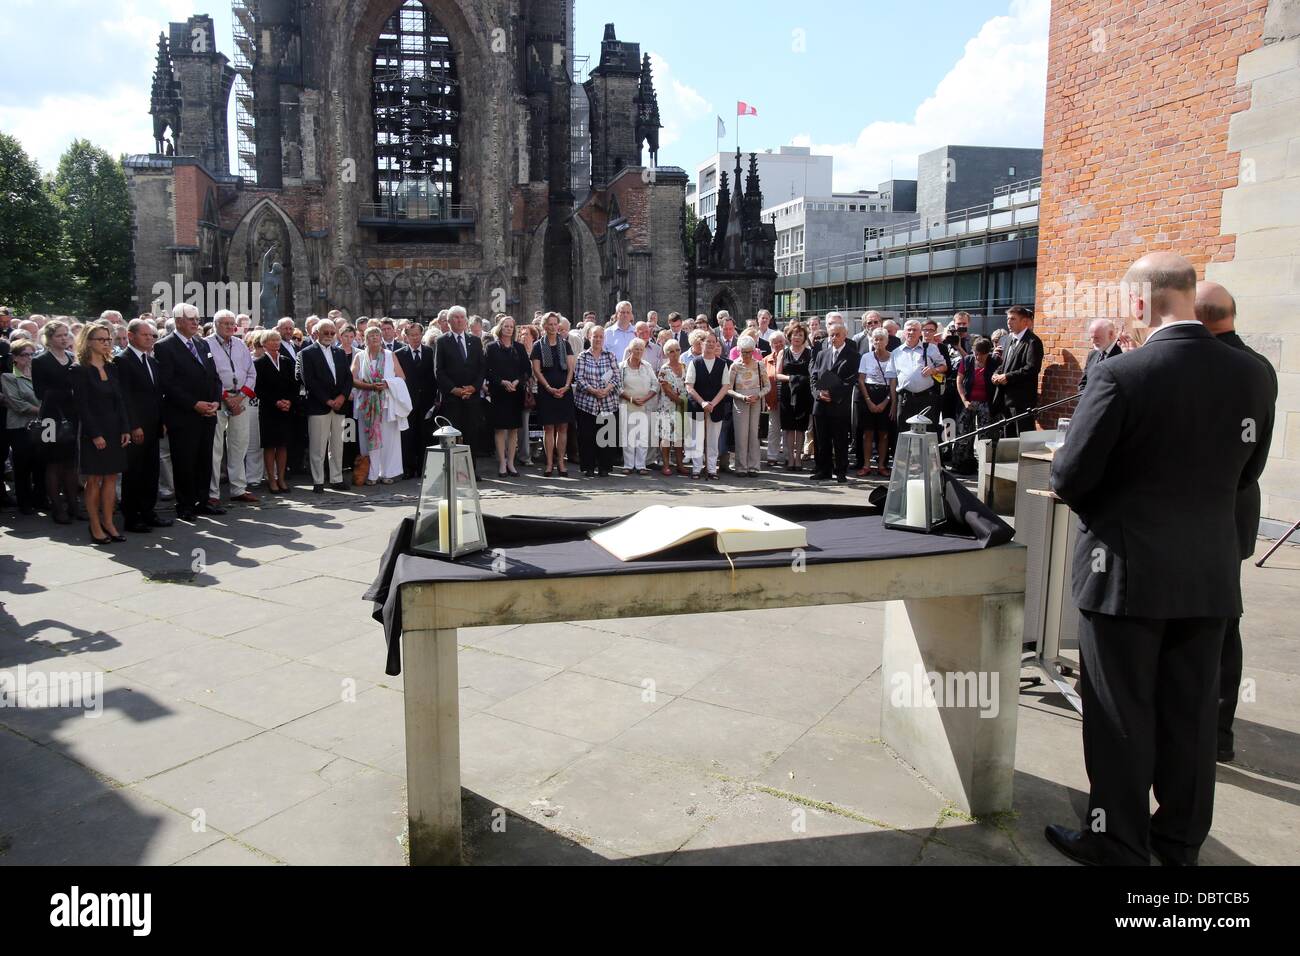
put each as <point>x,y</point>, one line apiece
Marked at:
<point>917,363</point>
<point>285,327</point>
<point>620,336</point>
<point>1105,345</point>
<point>234,364</point>
<point>326,377</point>
<point>834,374</point>
<point>192,397</point>
<point>460,368</point>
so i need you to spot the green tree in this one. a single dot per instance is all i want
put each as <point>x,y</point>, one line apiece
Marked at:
<point>30,265</point>
<point>692,221</point>
<point>95,215</point>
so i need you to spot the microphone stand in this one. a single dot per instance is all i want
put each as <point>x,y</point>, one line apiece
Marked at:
<point>997,427</point>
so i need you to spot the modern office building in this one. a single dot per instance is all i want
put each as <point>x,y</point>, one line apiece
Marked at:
<point>787,173</point>
<point>818,227</point>
<point>981,259</point>
<point>959,177</point>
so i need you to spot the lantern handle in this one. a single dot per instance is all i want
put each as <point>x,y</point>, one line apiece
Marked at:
<point>440,418</point>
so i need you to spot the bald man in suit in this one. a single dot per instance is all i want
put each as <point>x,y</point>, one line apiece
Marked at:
<point>1164,441</point>
<point>1217,311</point>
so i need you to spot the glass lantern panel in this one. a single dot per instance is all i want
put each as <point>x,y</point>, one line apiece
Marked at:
<point>469,524</point>
<point>905,501</point>
<point>937,512</point>
<point>433,489</point>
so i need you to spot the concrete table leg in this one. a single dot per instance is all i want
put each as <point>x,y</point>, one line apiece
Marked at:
<point>951,680</point>
<point>432,704</point>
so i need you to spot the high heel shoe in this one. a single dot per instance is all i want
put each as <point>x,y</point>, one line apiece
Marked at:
<point>104,540</point>
<point>511,472</point>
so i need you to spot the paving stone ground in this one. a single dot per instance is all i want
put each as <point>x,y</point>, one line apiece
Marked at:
<point>247,719</point>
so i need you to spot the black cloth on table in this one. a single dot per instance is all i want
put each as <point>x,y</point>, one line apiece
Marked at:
<point>537,547</point>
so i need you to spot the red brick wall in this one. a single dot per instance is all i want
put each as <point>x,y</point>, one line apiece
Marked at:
<point>1135,154</point>
<point>192,186</point>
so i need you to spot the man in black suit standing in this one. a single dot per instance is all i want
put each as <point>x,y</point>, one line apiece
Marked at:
<point>1217,311</point>
<point>1105,345</point>
<point>416,360</point>
<point>460,369</point>
<point>834,374</point>
<point>142,387</point>
<point>325,375</point>
<point>680,333</point>
<point>192,395</point>
<point>1155,461</point>
<point>1017,381</point>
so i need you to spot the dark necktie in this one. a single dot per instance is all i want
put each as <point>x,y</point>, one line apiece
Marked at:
<point>194,350</point>
<point>464,353</point>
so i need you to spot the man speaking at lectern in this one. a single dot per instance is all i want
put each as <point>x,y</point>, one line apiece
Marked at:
<point>1162,440</point>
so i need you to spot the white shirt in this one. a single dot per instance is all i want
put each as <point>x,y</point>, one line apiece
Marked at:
<point>617,341</point>
<point>148,368</point>
<point>908,363</point>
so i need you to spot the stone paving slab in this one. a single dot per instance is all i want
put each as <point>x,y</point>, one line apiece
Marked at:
<point>758,742</point>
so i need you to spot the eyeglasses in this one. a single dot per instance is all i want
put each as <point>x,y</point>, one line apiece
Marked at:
<point>23,354</point>
<point>99,338</point>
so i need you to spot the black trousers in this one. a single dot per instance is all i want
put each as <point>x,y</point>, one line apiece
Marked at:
<point>413,444</point>
<point>28,476</point>
<point>831,443</point>
<point>140,481</point>
<point>1230,665</point>
<point>593,454</point>
<point>4,453</point>
<point>466,416</point>
<point>191,443</point>
<point>1150,693</point>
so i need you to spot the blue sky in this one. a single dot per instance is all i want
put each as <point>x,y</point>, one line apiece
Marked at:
<point>870,82</point>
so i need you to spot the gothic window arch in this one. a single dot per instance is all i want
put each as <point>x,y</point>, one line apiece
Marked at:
<point>416,104</point>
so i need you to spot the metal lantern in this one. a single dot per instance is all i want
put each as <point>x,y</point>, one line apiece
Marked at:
<point>915,498</point>
<point>449,517</point>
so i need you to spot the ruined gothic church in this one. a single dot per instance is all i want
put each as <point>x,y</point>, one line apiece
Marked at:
<point>395,156</point>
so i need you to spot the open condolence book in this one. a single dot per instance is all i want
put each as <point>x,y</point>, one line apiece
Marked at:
<point>735,530</point>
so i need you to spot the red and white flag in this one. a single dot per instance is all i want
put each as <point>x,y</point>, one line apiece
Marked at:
<point>744,109</point>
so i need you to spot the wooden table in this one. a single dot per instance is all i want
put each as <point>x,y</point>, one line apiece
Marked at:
<point>950,613</point>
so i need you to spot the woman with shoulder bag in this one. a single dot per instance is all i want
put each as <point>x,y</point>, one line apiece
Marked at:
<point>54,435</point>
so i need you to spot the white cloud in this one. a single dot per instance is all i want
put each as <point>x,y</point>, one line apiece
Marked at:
<point>993,96</point>
<point>679,104</point>
<point>116,120</point>
<point>104,97</point>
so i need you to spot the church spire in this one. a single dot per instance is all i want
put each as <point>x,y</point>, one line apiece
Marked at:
<point>647,118</point>
<point>165,100</point>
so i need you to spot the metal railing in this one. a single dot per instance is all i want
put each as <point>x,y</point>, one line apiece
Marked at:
<point>1016,196</point>
<point>418,209</point>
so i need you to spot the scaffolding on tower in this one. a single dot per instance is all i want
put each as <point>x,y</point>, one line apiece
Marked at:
<point>244,17</point>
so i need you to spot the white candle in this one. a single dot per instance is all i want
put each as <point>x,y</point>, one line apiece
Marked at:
<point>916,502</point>
<point>468,526</point>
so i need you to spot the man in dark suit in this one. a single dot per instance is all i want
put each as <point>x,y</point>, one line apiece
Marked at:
<point>1022,362</point>
<point>325,375</point>
<point>1105,345</point>
<point>460,370</point>
<point>1217,311</point>
<point>680,332</point>
<point>416,360</point>
<point>192,395</point>
<point>142,387</point>
<point>1156,458</point>
<point>834,374</point>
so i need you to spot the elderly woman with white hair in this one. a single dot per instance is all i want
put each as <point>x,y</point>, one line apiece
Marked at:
<point>380,407</point>
<point>749,385</point>
<point>640,391</point>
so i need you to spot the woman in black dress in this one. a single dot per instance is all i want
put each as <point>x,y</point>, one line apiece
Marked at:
<point>52,380</point>
<point>796,391</point>
<point>276,389</point>
<point>105,427</point>
<point>508,370</point>
<point>553,367</point>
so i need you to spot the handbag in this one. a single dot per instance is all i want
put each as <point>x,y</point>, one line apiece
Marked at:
<point>360,470</point>
<point>65,432</point>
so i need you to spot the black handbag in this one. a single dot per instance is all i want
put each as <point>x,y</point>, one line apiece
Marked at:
<point>38,431</point>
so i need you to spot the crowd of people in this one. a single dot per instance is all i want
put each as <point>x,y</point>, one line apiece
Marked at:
<point>176,407</point>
